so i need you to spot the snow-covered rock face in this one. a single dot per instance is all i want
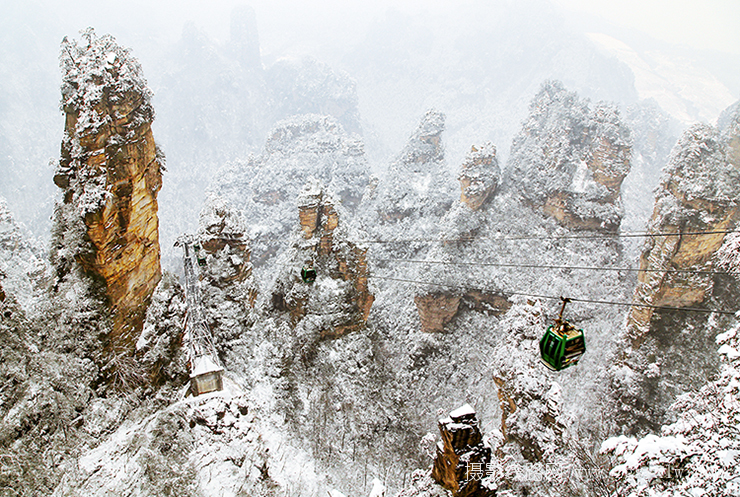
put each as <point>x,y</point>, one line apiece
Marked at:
<point>669,351</point>
<point>462,446</point>
<point>208,446</point>
<point>339,300</point>
<point>43,389</point>
<point>159,346</point>
<point>569,159</point>
<point>24,271</point>
<point>698,192</point>
<point>265,188</point>
<point>530,404</point>
<point>416,185</point>
<point>698,454</point>
<point>480,175</point>
<point>110,174</point>
<point>228,288</point>
<point>222,235</point>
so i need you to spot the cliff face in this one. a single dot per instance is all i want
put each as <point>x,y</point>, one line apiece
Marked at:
<point>698,192</point>
<point>569,160</point>
<point>417,184</point>
<point>110,173</point>
<point>339,301</point>
<point>670,352</point>
<point>265,187</point>
<point>480,175</point>
<point>436,310</point>
<point>228,287</point>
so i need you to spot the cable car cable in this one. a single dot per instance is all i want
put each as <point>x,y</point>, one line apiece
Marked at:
<point>574,299</point>
<point>550,237</point>
<point>538,266</point>
<point>505,238</point>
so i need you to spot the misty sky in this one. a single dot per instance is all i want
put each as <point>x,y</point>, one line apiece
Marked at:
<point>700,24</point>
<point>691,86</point>
<point>299,24</point>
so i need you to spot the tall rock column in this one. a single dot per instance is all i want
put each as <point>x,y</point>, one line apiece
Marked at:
<point>419,187</point>
<point>228,288</point>
<point>569,160</point>
<point>669,352</point>
<point>698,193</point>
<point>110,172</point>
<point>462,456</point>
<point>339,301</point>
<point>480,175</point>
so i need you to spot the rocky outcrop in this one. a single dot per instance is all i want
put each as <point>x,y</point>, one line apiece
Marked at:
<point>532,422</point>
<point>265,187</point>
<point>669,351</point>
<point>569,160</point>
<point>417,185</point>
<point>479,178</point>
<point>480,175</point>
<point>542,407</point>
<point>228,288</point>
<point>222,238</point>
<point>462,456</point>
<point>110,172</point>
<point>208,446</point>
<point>436,310</point>
<point>698,193</point>
<point>339,301</point>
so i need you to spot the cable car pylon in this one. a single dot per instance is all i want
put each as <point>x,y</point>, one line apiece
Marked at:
<point>206,372</point>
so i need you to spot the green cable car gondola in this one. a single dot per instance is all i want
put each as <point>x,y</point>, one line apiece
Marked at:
<point>198,256</point>
<point>562,345</point>
<point>308,275</point>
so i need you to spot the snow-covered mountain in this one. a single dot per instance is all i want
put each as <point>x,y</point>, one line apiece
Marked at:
<point>435,276</point>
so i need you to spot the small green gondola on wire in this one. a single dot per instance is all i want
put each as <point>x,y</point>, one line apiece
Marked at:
<point>199,257</point>
<point>562,345</point>
<point>308,275</point>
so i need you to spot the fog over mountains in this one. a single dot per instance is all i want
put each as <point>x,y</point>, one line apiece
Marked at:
<point>218,91</point>
<point>296,249</point>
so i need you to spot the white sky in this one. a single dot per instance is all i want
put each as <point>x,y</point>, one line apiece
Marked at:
<point>700,24</point>
<point>711,24</point>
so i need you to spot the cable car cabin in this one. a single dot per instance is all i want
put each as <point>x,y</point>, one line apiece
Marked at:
<point>308,275</point>
<point>562,348</point>
<point>562,345</point>
<point>199,257</point>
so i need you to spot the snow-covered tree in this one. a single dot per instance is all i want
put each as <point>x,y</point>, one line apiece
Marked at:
<point>698,454</point>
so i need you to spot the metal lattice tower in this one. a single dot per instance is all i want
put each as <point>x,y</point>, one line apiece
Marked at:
<point>202,354</point>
